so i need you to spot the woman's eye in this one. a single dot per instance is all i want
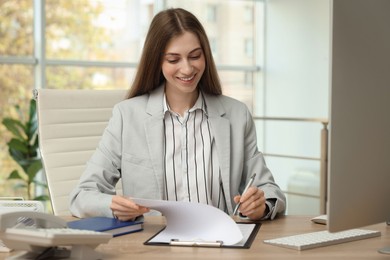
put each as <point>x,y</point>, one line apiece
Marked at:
<point>172,61</point>
<point>195,57</point>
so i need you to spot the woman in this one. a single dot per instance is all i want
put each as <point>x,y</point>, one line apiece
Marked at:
<point>177,137</point>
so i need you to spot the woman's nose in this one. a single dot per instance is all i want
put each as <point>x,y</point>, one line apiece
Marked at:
<point>187,67</point>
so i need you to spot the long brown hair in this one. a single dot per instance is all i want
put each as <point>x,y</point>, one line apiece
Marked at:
<point>164,26</point>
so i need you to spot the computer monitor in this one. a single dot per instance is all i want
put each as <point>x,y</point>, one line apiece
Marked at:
<point>359,128</point>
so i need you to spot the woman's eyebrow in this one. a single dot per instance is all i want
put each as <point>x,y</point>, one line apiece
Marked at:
<point>194,50</point>
<point>177,54</point>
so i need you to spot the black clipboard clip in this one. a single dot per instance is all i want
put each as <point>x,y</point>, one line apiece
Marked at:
<point>195,243</point>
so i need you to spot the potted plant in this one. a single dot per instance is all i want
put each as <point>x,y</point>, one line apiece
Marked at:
<point>23,148</point>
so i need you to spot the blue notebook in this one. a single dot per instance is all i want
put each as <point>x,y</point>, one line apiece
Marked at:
<point>110,225</point>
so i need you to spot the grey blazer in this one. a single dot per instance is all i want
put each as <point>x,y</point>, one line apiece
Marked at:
<point>131,149</point>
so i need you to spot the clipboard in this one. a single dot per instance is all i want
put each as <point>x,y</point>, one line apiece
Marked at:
<point>252,228</point>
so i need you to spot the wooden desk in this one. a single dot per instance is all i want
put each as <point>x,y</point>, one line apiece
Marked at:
<point>131,246</point>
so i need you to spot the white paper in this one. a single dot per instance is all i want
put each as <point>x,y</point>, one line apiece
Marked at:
<point>187,221</point>
<point>246,230</point>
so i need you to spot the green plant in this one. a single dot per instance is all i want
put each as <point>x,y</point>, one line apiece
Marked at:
<point>23,148</point>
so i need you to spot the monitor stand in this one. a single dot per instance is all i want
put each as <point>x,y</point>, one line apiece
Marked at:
<point>385,250</point>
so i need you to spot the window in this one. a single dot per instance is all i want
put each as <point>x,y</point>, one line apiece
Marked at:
<point>248,47</point>
<point>97,30</point>
<point>248,14</point>
<point>16,30</point>
<point>211,13</point>
<point>214,47</point>
<point>17,74</point>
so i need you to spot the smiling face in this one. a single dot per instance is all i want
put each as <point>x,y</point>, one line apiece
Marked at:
<point>183,64</point>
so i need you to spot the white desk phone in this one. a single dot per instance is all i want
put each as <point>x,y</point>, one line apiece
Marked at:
<point>42,234</point>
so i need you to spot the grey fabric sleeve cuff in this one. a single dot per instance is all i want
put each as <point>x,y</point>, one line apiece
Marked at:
<point>270,204</point>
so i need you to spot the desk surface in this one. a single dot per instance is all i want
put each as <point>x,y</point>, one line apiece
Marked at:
<point>131,246</point>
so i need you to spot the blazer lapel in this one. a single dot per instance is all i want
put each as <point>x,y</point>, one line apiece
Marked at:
<point>154,129</point>
<point>221,130</point>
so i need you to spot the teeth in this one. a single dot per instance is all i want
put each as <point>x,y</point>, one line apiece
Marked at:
<point>186,79</point>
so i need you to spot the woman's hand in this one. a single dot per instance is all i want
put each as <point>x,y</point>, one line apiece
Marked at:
<point>125,209</point>
<point>252,203</point>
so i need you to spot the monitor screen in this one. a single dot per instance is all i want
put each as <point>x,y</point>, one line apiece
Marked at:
<point>359,135</point>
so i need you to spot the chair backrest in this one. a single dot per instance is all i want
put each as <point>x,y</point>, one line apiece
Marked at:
<point>70,125</point>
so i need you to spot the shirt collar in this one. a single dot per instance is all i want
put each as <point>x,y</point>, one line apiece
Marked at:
<point>199,104</point>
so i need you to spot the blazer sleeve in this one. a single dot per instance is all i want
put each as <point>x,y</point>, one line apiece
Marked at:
<point>96,187</point>
<point>255,162</point>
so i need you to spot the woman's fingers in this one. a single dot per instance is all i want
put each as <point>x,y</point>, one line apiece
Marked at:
<point>124,208</point>
<point>252,203</point>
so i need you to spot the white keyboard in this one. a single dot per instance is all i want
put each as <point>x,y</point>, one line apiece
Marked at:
<point>321,238</point>
<point>55,236</point>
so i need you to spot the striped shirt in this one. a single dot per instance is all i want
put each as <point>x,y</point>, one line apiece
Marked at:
<point>192,171</point>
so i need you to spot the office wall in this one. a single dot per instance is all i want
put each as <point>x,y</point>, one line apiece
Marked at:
<point>296,84</point>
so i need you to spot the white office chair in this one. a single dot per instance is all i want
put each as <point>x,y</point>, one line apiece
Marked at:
<point>70,125</point>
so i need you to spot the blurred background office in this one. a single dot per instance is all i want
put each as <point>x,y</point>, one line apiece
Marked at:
<point>271,54</point>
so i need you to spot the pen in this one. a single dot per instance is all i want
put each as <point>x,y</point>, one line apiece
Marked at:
<point>246,188</point>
